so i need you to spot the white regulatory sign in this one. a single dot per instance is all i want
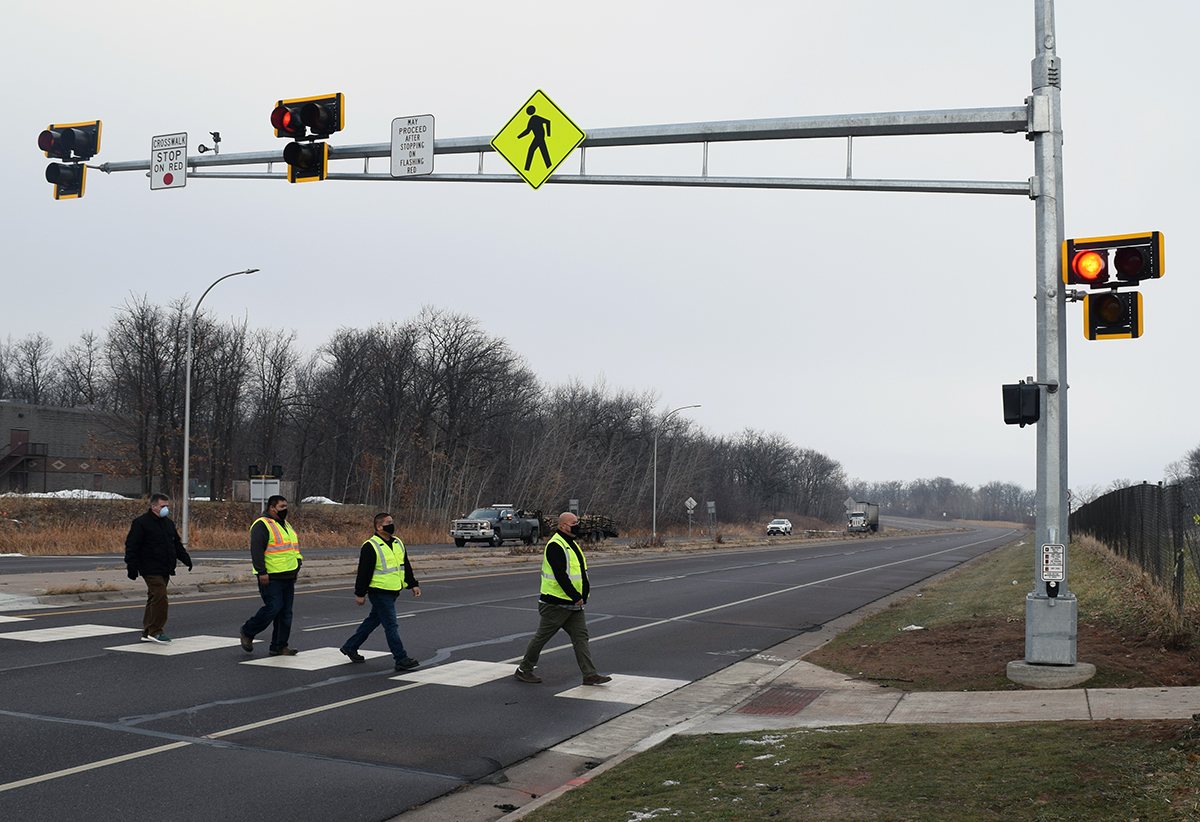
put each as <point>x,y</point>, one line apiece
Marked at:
<point>412,145</point>
<point>1053,562</point>
<point>168,161</point>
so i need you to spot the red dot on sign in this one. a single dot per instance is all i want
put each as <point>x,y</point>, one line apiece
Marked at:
<point>168,178</point>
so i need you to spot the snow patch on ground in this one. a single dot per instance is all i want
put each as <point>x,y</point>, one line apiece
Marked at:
<point>318,501</point>
<point>73,494</point>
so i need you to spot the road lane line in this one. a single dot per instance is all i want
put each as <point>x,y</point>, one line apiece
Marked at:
<point>46,777</point>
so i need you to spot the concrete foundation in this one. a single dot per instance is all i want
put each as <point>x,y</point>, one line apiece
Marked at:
<point>1050,676</point>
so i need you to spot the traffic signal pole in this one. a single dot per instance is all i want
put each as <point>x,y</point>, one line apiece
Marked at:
<point>1051,610</point>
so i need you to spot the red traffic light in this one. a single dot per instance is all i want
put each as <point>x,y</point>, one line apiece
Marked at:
<point>1136,257</point>
<point>322,115</point>
<point>287,122</point>
<point>1090,266</point>
<point>79,139</point>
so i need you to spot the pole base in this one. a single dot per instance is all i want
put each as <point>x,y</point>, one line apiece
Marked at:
<point>1034,675</point>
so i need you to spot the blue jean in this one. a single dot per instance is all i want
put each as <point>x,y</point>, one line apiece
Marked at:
<point>383,612</point>
<point>277,596</point>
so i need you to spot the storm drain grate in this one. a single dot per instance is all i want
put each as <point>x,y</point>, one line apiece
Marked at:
<point>780,702</point>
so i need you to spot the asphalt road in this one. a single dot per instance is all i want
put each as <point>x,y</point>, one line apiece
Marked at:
<point>104,727</point>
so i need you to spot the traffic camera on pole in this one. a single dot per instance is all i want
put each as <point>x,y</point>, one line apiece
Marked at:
<point>1113,263</point>
<point>307,121</point>
<point>73,143</point>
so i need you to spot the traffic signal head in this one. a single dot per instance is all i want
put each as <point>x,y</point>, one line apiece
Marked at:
<point>80,141</point>
<point>1135,257</point>
<point>68,179</point>
<point>309,116</point>
<point>306,161</point>
<point>1022,403</point>
<point>1116,315</point>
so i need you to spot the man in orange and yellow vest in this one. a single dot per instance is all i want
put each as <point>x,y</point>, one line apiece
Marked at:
<point>384,570</point>
<point>275,552</point>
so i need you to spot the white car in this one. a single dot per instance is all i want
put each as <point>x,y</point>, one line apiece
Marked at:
<point>779,526</point>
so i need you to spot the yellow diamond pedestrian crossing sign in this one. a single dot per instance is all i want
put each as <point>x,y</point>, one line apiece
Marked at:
<point>537,139</point>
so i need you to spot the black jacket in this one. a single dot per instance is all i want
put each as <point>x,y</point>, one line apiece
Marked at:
<point>153,546</point>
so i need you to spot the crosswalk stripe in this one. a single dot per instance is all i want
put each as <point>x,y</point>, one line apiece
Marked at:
<point>631,690</point>
<point>466,673</point>
<point>66,632</point>
<point>311,659</point>
<point>179,645</point>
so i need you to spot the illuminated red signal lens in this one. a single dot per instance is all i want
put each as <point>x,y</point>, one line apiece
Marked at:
<point>1089,265</point>
<point>285,119</point>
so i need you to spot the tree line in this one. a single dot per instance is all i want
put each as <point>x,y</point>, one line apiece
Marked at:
<point>431,415</point>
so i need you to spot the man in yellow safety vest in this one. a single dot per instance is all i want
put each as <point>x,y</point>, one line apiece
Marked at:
<point>275,553</point>
<point>383,571</point>
<point>564,593</point>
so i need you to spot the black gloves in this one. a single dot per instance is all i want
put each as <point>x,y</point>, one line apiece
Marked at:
<point>132,572</point>
<point>189,567</point>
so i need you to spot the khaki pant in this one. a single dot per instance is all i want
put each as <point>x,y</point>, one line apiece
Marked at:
<point>574,623</point>
<point>155,619</point>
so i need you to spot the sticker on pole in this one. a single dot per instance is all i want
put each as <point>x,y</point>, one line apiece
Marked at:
<point>168,161</point>
<point>1054,562</point>
<point>537,139</point>
<point>412,146</point>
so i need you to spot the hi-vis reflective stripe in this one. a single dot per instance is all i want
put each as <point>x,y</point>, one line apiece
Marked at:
<point>384,568</point>
<point>569,576</point>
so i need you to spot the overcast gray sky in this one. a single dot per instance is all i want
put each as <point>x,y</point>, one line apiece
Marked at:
<point>874,327</point>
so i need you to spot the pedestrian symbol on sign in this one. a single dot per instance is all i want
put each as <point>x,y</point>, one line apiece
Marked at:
<point>537,139</point>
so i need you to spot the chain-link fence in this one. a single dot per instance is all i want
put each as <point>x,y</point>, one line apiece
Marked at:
<point>1155,526</point>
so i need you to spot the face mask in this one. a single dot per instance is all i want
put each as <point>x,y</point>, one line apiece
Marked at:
<point>575,530</point>
<point>162,512</point>
<point>281,515</point>
<point>390,528</point>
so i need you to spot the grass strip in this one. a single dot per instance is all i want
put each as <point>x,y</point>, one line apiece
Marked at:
<point>1090,772</point>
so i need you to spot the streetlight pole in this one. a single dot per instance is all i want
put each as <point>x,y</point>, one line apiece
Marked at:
<point>187,404</point>
<point>654,513</point>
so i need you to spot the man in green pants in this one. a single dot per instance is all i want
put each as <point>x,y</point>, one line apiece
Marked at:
<point>564,593</point>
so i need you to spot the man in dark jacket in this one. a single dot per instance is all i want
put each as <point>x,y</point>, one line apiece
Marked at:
<point>384,570</point>
<point>151,549</point>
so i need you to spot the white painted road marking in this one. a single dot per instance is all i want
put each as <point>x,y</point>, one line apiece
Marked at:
<point>4,618</point>
<point>179,645</point>
<point>66,632</point>
<point>312,659</point>
<point>631,690</point>
<point>464,674</point>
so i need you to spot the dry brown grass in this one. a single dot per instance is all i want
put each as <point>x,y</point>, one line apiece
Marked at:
<point>81,588</point>
<point>45,527</point>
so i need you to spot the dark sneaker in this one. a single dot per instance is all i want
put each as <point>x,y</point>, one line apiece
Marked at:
<point>247,642</point>
<point>283,652</point>
<point>407,664</point>
<point>355,656</point>
<point>522,676</point>
<point>596,679</point>
<point>161,639</point>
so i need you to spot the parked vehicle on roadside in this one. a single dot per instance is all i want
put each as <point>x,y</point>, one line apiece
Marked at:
<point>779,527</point>
<point>495,524</point>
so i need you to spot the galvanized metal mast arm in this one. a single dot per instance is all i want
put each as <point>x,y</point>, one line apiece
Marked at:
<point>953,121</point>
